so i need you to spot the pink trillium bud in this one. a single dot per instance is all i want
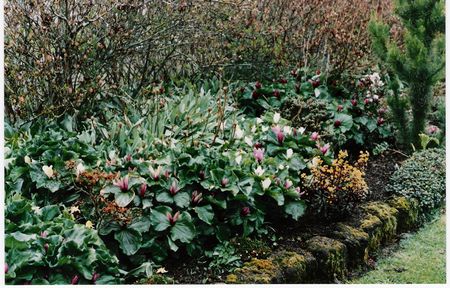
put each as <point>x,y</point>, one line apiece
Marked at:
<point>354,102</point>
<point>142,189</point>
<point>128,158</point>
<point>294,73</point>
<point>380,121</point>
<point>279,134</point>
<point>6,268</point>
<point>245,211</point>
<point>315,136</point>
<point>75,280</point>
<point>288,184</point>
<point>366,101</point>
<point>224,182</point>
<point>258,85</point>
<point>196,197</point>
<point>44,234</point>
<point>432,129</point>
<point>167,174</point>
<point>324,149</point>
<point>339,108</point>
<point>259,154</point>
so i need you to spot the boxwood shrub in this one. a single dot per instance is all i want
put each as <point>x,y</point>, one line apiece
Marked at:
<point>422,177</point>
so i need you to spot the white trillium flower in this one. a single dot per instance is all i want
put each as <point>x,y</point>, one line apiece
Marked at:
<point>276,117</point>
<point>266,183</point>
<point>27,159</point>
<point>48,170</point>
<point>253,129</point>
<point>287,130</point>
<point>259,120</point>
<point>238,134</point>
<point>259,171</point>
<point>301,130</point>
<point>222,126</point>
<point>112,155</point>
<point>80,169</point>
<point>265,128</point>
<point>248,141</point>
<point>289,153</point>
<point>281,167</point>
<point>239,159</point>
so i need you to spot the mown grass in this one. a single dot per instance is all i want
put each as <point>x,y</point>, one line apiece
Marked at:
<point>419,259</point>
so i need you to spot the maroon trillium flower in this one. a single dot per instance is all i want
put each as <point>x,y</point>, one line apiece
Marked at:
<point>46,247</point>
<point>255,95</point>
<point>316,83</point>
<point>366,101</point>
<point>167,174</point>
<point>337,123</point>
<point>95,276</point>
<point>122,184</point>
<point>245,211</point>
<point>380,121</point>
<point>276,93</point>
<point>196,197</point>
<point>75,280</point>
<point>283,81</point>
<point>142,189</point>
<point>354,102</point>
<point>258,85</point>
<point>173,188</point>
<point>128,158</point>
<point>339,108</point>
<point>201,175</point>
<point>174,218</point>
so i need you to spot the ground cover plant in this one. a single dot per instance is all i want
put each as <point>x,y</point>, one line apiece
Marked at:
<point>177,141</point>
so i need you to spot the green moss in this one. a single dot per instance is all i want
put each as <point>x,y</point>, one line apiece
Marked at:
<point>262,271</point>
<point>356,241</point>
<point>295,267</point>
<point>387,215</point>
<point>331,256</point>
<point>373,226</point>
<point>408,213</point>
<point>158,279</point>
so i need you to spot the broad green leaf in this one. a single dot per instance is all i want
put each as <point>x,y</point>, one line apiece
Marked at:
<point>182,199</point>
<point>183,229</point>
<point>165,198</point>
<point>129,240</point>
<point>124,198</point>
<point>205,213</point>
<point>141,224</point>
<point>159,219</point>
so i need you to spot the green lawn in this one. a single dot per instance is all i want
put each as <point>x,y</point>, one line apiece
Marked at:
<point>419,259</point>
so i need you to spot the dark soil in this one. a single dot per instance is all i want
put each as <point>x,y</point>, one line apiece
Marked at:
<point>292,235</point>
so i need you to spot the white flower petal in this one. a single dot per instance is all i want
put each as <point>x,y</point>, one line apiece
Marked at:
<point>48,170</point>
<point>276,117</point>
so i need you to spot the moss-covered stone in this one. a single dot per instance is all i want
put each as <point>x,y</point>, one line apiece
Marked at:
<point>331,257</point>
<point>296,267</point>
<point>356,241</point>
<point>408,213</point>
<point>260,271</point>
<point>388,217</point>
<point>373,226</point>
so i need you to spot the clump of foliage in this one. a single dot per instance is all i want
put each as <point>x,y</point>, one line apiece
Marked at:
<point>248,248</point>
<point>419,63</point>
<point>45,246</point>
<point>334,190</point>
<point>422,177</point>
<point>345,114</point>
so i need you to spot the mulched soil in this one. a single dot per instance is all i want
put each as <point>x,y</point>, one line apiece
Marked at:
<point>291,235</point>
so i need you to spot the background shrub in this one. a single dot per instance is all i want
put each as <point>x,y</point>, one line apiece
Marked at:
<point>422,177</point>
<point>66,56</point>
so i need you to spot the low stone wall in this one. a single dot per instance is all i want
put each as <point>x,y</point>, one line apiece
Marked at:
<point>327,258</point>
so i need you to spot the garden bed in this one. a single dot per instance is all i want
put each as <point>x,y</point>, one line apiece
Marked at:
<point>293,236</point>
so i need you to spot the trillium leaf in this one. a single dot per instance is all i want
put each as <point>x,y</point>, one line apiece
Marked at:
<point>295,209</point>
<point>159,219</point>
<point>277,195</point>
<point>165,198</point>
<point>346,122</point>
<point>124,198</point>
<point>129,240</point>
<point>172,244</point>
<point>183,229</point>
<point>182,199</point>
<point>141,224</point>
<point>205,213</point>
